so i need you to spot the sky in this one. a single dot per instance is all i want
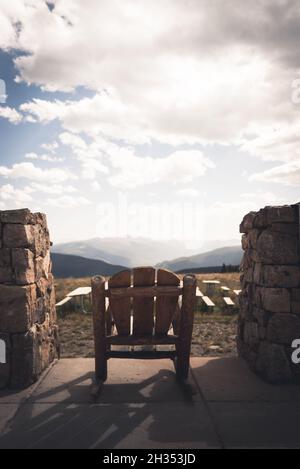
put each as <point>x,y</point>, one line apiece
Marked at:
<point>163,120</point>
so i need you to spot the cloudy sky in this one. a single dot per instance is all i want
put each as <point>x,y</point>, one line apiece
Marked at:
<point>127,117</point>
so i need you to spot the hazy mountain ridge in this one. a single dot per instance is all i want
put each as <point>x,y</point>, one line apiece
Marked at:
<point>226,255</point>
<point>65,266</point>
<point>68,265</point>
<point>132,252</point>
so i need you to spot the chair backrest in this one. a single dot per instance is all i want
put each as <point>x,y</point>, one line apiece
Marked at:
<point>132,301</point>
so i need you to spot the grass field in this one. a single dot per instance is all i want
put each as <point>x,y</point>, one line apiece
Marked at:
<point>214,334</point>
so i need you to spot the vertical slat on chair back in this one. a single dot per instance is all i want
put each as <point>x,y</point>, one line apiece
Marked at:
<point>165,305</point>
<point>143,308</point>
<point>121,307</point>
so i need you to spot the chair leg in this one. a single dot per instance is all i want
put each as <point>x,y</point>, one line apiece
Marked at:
<point>182,366</point>
<point>99,310</point>
<point>101,368</point>
<point>100,377</point>
<point>186,327</point>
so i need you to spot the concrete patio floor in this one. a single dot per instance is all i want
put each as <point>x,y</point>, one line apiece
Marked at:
<point>142,406</point>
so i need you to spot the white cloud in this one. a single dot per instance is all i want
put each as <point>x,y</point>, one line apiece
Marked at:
<point>11,198</point>
<point>159,69</point>
<point>189,192</point>
<point>67,202</point>
<point>185,113</point>
<point>74,141</point>
<point>31,156</point>
<point>175,72</point>
<point>40,110</point>
<point>144,33</point>
<point>287,174</point>
<point>32,172</point>
<point>96,186</point>
<point>180,167</point>
<point>51,147</point>
<point>91,157</point>
<point>100,115</point>
<point>224,218</point>
<point>261,197</point>
<point>12,115</point>
<point>126,170</point>
<point>10,14</point>
<point>49,158</point>
<point>278,142</point>
<point>91,167</point>
<point>56,189</point>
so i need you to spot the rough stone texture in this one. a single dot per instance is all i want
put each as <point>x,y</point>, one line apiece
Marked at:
<point>277,248</point>
<point>247,223</point>
<point>18,304</point>
<point>283,328</point>
<point>27,298</point>
<point>32,353</point>
<point>296,301</point>
<point>23,263</point>
<point>275,300</point>
<point>273,215</point>
<point>270,300</point>
<point>43,266</point>
<point>278,276</point>
<point>273,363</point>
<point>5,266</point>
<point>23,216</point>
<point>251,334</point>
<point>18,236</point>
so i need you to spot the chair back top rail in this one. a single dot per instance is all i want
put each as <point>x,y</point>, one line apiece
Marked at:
<point>143,291</point>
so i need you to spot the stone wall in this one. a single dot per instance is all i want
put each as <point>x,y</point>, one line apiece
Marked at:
<point>27,298</point>
<point>270,300</point>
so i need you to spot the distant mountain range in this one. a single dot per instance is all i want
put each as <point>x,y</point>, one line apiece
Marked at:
<point>132,252</point>
<point>68,265</point>
<point>231,255</point>
<point>121,251</point>
<point>65,266</point>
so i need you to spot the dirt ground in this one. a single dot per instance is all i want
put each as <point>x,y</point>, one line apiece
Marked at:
<point>212,336</point>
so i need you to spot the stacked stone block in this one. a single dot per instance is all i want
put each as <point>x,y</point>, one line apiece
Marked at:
<point>28,323</point>
<point>270,300</point>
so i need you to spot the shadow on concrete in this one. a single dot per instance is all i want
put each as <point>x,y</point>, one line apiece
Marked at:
<point>248,412</point>
<point>45,421</point>
<point>230,379</point>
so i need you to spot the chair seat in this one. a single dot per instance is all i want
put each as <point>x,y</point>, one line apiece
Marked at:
<point>142,354</point>
<point>142,339</point>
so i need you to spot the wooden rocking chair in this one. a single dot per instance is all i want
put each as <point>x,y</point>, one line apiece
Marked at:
<point>125,313</point>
